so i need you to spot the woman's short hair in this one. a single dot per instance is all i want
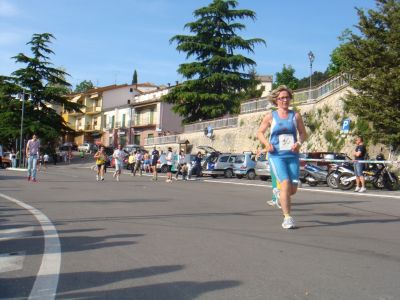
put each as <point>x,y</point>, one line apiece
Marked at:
<point>275,93</point>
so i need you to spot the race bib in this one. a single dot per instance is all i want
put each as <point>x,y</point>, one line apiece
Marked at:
<point>286,141</point>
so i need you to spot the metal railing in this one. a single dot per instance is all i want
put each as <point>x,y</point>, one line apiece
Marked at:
<point>91,109</point>
<point>323,89</point>
<point>255,105</point>
<point>300,96</point>
<point>168,139</point>
<point>215,124</point>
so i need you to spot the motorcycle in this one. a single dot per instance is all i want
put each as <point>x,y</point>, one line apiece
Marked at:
<point>377,174</point>
<point>336,170</point>
<point>313,175</point>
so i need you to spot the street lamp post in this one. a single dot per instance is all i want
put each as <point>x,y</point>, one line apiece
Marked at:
<point>22,127</point>
<point>311,57</point>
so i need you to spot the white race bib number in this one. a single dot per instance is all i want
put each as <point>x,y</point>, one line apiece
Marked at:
<point>286,141</point>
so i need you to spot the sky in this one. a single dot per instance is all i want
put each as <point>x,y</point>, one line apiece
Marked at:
<point>105,41</point>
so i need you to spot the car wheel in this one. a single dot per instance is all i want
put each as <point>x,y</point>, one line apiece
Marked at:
<point>251,175</point>
<point>164,169</point>
<point>228,173</point>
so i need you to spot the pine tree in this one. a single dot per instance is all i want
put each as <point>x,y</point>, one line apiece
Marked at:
<point>135,78</point>
<point>45,85</point>
<point>218,78</point>
<point>372,59</point>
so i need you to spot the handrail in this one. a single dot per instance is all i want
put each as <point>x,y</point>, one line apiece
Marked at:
<point>215,124</point>
<point>168,139</point>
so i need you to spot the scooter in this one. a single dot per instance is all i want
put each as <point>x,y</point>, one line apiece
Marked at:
<point>336,171</point>
<point>313,175</point>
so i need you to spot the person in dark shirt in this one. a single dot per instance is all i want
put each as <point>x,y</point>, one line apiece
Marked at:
<point>359,154</point>
<point>155,155</point>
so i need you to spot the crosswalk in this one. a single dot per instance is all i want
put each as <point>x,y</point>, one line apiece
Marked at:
<point>13,261</point>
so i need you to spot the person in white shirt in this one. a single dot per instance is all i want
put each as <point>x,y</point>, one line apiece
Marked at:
<point>119,156</point>
<point>32,155</point>
<point>169,158</point>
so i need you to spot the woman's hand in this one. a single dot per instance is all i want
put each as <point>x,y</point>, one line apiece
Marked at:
<point>296,147</point>
<point>269,148</point>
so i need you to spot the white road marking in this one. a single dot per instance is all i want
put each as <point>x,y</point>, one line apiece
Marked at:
<point>14,233</point>
<point>11,261</point>
<point>45,286</point>
<point>367,194</point>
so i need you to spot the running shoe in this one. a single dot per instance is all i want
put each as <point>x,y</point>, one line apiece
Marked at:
<point>288,223</point>
<point>34,180</point>
<point>271,202</point>
<point>102,178</point>
<point>362,190</point>
<point>357,189</point>
<point>117,178</point>
<point>97,177</point>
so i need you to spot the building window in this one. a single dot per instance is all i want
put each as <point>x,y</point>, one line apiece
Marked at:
<point>112,121</point>
<point>150,135</point>
<point>151,116</point>
<point>136,139</point>
<point>123,121</point>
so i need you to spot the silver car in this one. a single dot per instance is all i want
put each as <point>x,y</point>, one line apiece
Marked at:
<point>262,168</point>
<point>221,165</point>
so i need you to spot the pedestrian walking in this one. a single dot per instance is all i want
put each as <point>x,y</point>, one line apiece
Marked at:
<point>131,162</point>
<point>146,163</point>
<point>138,163</point>
<point>119,157</point>
<point>283,147</point>
<point>101,159</point>
<point>181,164</point>
<point>45,160</point>
<point>32,155</point>
<point>155,156</point>
<point>13,158</point>
<point>169,158</point>
<point>359,154</point>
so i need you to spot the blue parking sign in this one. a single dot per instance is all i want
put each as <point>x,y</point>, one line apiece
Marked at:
<point>346,125</point>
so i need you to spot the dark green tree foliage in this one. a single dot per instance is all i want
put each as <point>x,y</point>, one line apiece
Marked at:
<point>373,61</point>
<point>219,77</point>
<point>317,78</point>
<point>135,78</point>
<point>44,85</point>
<point>286,77</point>
<point>336,65</point>
<point>84,86</point>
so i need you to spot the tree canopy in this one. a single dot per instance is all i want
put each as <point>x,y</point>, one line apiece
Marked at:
<point>220,75</point>
<point>44,89</point>
<point>371,58</point>
<point>135,77</point>
<point>84,86</point>
<point>286,77</point>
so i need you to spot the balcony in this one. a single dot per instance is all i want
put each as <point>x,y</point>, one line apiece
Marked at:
<point>92,110</point>
<point>74,113</point>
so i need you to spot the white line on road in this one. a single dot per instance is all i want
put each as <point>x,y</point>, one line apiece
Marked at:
<point>45,286</point>
<point>367,194</point>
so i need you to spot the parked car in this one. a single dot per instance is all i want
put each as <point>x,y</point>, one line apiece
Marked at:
<point>262,168</point>
<point>133,147</point>
<point>5,160</point>
<point>245,166</point>
<point>69,146</point>
<point>221,165</point>
<point>87,147</point>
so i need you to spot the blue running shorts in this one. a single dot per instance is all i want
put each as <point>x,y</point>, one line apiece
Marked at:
<point>285,168</point>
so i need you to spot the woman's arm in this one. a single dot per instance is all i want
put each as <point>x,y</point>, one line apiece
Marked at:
<point>302,132</point>
<point>265,124</point>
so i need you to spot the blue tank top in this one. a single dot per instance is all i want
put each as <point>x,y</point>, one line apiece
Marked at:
<point>283,135</point>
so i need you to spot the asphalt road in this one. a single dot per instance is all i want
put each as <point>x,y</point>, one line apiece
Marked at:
<point>205,239</point>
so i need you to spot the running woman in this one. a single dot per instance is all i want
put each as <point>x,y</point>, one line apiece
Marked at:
<point>283,147</point>
<point>169,158</point>
<point>101,158</point>
<point>119,156</point>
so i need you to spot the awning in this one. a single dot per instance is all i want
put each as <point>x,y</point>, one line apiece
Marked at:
<point>76,98</point>
<point>94,96</point>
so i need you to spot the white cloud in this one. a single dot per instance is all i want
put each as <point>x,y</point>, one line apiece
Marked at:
<point>7,9</point>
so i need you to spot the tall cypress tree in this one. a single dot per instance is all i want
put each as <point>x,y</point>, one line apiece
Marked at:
<point>134,78</point>
<point>220,75</point>
<point>373,61</point>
